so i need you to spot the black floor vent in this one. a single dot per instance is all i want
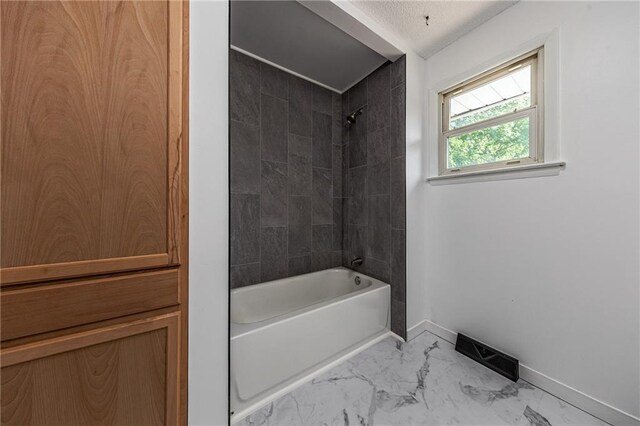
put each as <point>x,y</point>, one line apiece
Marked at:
<point>497,361</point>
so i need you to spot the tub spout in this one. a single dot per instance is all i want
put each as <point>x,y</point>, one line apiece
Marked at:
<point>357,261</point>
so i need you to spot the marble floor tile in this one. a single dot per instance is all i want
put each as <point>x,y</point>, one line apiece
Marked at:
<point>549,410</point>
<point>422,382</point>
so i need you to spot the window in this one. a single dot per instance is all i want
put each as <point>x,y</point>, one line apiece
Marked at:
<point>494,120</point>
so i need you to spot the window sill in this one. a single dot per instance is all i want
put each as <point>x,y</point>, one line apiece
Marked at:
<point>518,172</point>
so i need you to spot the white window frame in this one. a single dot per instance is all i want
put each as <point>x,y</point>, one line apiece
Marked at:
<point>535,112</point>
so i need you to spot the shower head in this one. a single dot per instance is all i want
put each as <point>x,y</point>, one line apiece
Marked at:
<point>351,118</point>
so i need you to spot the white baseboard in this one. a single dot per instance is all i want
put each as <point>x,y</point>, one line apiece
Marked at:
<point>395,336</point>
<point>593,406</point>
<point>432,328</point>
<point>573,396</point>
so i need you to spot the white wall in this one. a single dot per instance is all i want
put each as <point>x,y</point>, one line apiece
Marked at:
<point>208,215</point>
<point>415,173</point>
<point>547,269</point>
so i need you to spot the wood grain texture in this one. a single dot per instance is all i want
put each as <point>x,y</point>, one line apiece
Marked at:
<point>84,130</point>
<point>46,308</point>
<point>184,224</point>
<point>134,195</point>
<point>115,375</point>
<point>176,128</point>
<point>35,273</point>
<point>94,181</point>
<point>35,338</point>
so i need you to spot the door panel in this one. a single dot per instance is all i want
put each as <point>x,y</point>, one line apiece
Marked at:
<point>91,129</point>
<point>45,308</point>
<point>94,207</point>
<point>123,374</point>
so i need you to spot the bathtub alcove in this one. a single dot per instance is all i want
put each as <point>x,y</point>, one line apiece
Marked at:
<point>317,180</point>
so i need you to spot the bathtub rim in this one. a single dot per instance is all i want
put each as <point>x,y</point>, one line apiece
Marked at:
<point>238,330</point>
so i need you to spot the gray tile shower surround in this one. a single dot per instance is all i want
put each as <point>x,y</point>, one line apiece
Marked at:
<point>310,192</point>
<point>374,182</point>
<point>286,207</point>
<point>422,382</point>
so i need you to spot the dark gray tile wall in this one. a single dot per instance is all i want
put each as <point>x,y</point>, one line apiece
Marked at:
<point>375,187</point>
<point>286,174</point>
<point>308,190</point>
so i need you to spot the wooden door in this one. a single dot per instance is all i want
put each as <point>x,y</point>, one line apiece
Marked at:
<point>94,212</point>
<point>124,374</point>
<point>91,137</point>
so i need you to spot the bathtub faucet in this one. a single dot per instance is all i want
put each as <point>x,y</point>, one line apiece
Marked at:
<point>357,261</point>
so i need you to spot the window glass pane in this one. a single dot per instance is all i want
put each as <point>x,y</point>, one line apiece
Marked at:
<point>506,94</point>
<point>507,141</point>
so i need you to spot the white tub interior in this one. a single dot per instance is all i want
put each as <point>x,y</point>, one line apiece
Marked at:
<point>269,300</point>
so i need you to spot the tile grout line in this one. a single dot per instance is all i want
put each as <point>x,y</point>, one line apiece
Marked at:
<point>260,175</point>
<point>286,259</point>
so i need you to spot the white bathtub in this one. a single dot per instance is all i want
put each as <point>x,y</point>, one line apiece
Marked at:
<point>284,330</point>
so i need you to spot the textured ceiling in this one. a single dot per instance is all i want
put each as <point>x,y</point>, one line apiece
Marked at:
<point>448,19</point>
